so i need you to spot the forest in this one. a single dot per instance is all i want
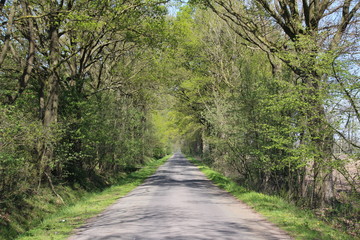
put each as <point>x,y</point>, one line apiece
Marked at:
<point>264,91</point>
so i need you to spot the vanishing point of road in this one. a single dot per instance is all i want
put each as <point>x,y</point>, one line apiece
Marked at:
<point>178,203</point>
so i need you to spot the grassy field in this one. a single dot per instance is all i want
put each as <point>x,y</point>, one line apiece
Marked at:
<point>299,223</point>
<point>61,224</point>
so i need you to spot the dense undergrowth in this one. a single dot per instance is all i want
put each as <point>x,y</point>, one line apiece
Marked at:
<point>44,216</point>
<point>299,223</point>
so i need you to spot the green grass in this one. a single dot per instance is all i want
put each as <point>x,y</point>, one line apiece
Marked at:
<point>299,223</point>
<point>29,212</point>
<point>61,224</point>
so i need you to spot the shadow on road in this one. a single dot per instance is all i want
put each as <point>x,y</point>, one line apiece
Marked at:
<point>178,203</point>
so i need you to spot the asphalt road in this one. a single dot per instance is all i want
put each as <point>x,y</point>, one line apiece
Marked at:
<point>178,202</point>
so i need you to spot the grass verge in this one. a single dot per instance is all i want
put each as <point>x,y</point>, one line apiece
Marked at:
<point>61,224</point>
<point>299,223</point>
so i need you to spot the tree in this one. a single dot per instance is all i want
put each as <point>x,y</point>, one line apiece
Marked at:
<point>306,36</point>
<point>61,63</point>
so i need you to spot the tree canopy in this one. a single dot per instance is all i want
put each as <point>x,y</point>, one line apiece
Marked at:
<point>265,91</point>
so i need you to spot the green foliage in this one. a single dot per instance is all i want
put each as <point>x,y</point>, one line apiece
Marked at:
<point>84,111</point>
<point>267,120</point>
<point>121,82</point>
<point>19,144</point>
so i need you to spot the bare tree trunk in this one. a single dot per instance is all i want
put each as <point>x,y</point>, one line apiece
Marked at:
<point>31,50</point>
<point>52,83</point>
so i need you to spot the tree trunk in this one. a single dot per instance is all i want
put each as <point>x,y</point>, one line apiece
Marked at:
<point>23,81</point>
<point>52,83</point>
<point>49,98</point>
<point>322,141</point>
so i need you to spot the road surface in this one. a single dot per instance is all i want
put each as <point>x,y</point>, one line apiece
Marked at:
<point>176,203</point>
